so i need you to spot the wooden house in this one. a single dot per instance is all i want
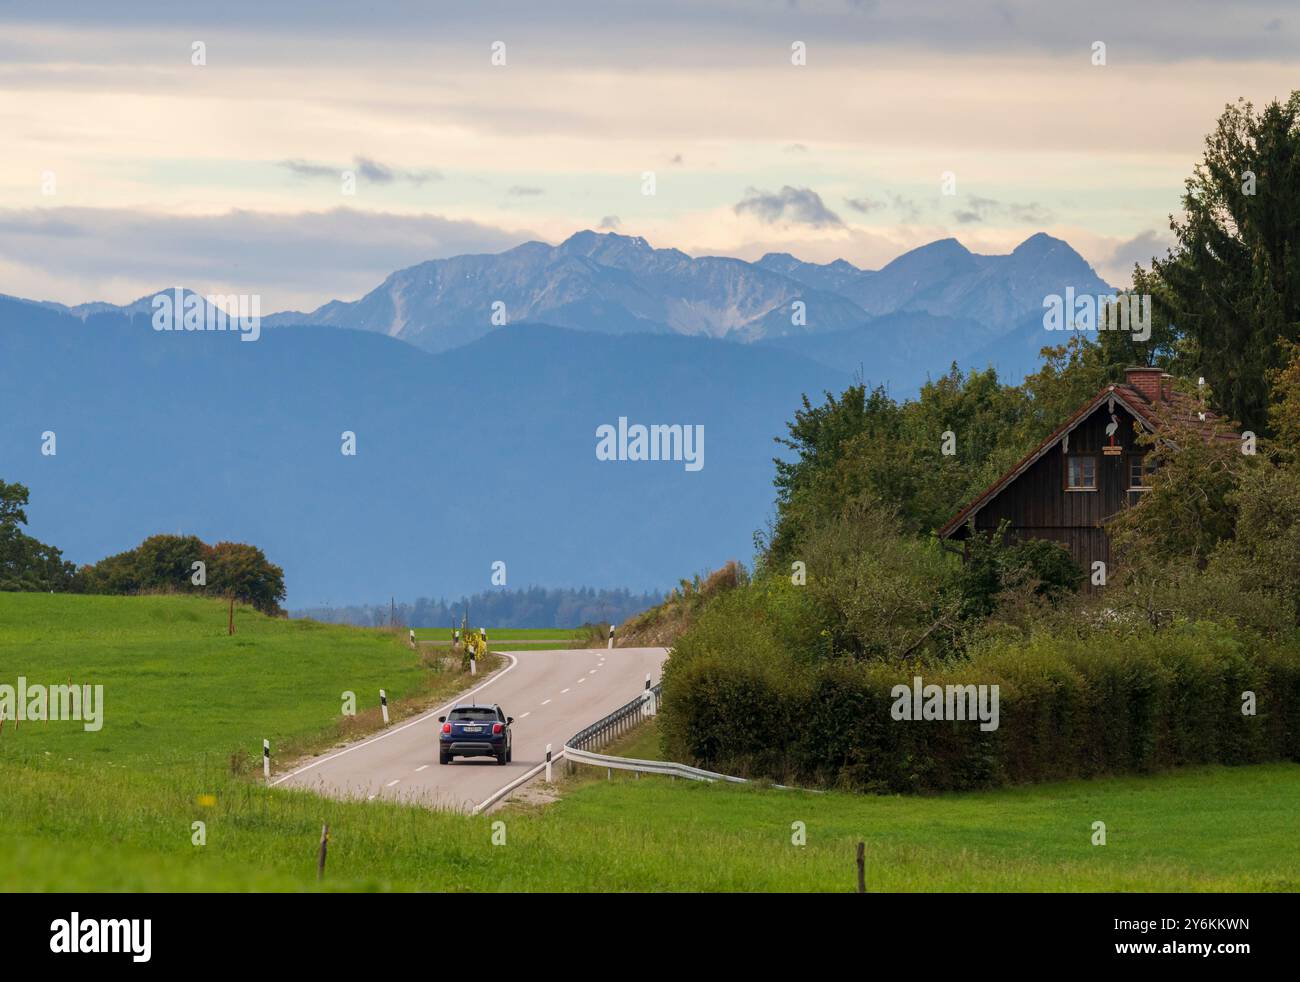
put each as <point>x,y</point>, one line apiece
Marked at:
<point>1069,486</point>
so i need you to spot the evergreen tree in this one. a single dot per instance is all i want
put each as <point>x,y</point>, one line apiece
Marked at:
<point>1233,282</point>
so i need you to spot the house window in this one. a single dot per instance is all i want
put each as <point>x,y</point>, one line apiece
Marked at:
<point>1082,473</point>
<point>1137,473</point>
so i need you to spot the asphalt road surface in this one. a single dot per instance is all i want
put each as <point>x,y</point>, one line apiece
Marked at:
<point>551,694</point>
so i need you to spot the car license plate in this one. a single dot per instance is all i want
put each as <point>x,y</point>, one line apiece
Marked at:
<point>473,729</point>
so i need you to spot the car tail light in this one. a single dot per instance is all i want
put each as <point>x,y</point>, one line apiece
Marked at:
<point>497,727</point>
<point>446,727</point>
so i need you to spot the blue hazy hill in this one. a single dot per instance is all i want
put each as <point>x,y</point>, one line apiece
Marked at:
<point>483,453</point>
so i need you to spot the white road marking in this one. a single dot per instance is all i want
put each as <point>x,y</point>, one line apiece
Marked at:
<point>391,783</point>
<point>420,768</point>
<point>593,671</point>
<point>372,797</point>
<point>529,713</point>
<point>387,733</point>
<point>497,795</point>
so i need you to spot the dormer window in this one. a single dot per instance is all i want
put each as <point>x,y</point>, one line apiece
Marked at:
<point>1081,472</point>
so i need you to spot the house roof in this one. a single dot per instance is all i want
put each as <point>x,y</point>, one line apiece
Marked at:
<point>1183,407</point>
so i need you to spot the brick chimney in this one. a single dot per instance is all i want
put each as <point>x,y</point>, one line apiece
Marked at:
<point>1149,381</point>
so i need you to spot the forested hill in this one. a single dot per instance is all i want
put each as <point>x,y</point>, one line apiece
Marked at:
<point>531,607</point>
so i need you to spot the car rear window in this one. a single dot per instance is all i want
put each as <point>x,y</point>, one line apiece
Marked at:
<point>479,715</point>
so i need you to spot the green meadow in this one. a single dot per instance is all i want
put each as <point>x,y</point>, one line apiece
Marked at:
<point>186,708</point>
<point>178,690</point>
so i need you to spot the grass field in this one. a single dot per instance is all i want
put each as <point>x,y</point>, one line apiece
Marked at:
<point>114,810</point>
<point>177,687</point>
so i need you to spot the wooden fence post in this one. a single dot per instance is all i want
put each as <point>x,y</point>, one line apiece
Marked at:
<point>324,846</point>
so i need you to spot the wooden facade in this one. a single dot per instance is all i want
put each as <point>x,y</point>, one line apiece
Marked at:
<point>1070,486</point>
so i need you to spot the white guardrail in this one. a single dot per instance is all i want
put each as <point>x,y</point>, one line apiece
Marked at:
<point>578,747</point>
<point>647,766</point>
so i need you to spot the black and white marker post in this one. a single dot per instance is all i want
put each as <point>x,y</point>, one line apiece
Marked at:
<point>266,759</point>
<point>649,697</point>
<point>611,637</point>
<point>548,763</point>
<point>383,704</point>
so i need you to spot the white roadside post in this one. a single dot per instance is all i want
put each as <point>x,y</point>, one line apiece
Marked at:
<point>473,669</point>
<point>383,704</point>
<point>412,630</point>
<point>650,707</point>
<point>266,759</point>
<point>548,763</point>
<point>611,637</point>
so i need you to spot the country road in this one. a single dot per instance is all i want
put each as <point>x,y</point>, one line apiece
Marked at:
<point>551,694</point>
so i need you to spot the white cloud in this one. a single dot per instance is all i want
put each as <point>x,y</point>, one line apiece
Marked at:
<point>295,261</point>
<point>894,94</point>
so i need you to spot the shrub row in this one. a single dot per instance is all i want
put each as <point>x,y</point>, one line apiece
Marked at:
<point>1110,702</point>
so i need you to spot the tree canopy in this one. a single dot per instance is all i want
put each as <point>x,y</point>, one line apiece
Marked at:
<point>165,564</point>
<point>1232,284</point>
<point>27,564</point>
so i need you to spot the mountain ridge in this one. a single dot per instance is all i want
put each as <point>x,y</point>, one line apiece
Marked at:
<point>613,283</point>
<point>609,283</point>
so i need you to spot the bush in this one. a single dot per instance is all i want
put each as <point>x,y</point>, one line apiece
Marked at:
<point>666,622</point>
<point>874,592</point>
<point>1114,700</point>
<point>995,568</point>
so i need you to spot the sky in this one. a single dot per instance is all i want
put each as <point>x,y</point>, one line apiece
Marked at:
<point>208,145</point>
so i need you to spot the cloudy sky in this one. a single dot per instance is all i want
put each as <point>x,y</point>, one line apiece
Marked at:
<point>129,167</point>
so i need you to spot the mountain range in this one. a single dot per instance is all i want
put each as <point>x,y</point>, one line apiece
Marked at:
<point>477,442</point>
<point>930,307</point>
<point>618,284</point>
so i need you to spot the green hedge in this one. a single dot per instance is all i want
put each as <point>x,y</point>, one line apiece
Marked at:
<point>1111,702</point>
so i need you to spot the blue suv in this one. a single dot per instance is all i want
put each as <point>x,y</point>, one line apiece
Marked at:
<point>475,731</point>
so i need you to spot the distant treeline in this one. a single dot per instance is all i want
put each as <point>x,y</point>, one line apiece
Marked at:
<point>531,607</point>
